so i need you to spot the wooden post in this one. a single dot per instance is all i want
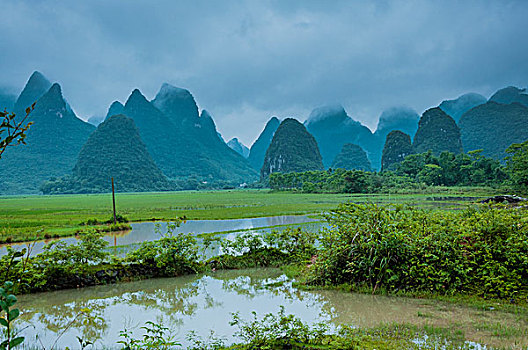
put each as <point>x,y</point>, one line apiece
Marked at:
<point>113,201</point>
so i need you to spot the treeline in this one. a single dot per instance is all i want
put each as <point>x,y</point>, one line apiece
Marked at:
<point>339,181</point>
<point>414,172</point>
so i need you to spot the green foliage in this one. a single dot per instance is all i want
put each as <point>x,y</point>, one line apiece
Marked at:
<point>480,251</point>
<point>13,131</point>
<point>155,337</point>
<point>62,265</point>
<point>297,243</point>
<point>437,132</point>
<point>59,264</point>
<point>518,165</point>
<point>93,221</point>
<point>339,181</point>
<point>172,255</point>
<point>248,249</point>
<point>274,248</point>
<point>448,169</point>
<point>8,315</point>
<point>292,149</point>
<point>277,331</point>
<point>352,157</point>
<point>8,262</point>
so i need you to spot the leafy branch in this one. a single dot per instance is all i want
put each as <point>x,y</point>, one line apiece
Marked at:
<point>16,130</point>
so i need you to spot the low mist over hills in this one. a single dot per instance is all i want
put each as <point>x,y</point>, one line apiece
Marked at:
<point>397,118</point>
<point>332,128</point>
<point>509,95</point>
<point>455,108</point>
<point>183,149</point>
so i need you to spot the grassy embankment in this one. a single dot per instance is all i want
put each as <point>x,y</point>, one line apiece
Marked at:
<point>24,218</point>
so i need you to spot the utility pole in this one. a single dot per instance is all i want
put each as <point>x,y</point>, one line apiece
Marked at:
<point>113,201</point>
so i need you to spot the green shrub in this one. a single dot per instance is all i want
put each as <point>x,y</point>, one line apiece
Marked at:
<point>174,254</point>
<point>479,250</point>
<point>8,314</point>
<point>277,331</point>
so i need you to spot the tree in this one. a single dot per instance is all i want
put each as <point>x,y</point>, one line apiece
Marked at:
<point>13,132</point>
<point>517,165</point>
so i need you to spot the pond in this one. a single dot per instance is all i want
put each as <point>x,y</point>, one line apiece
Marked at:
<point>145,231</point>
<point>204,303</point>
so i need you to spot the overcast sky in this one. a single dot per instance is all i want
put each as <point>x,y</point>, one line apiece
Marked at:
<point>245,61</point>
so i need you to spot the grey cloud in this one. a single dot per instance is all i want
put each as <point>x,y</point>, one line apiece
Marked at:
<point>247,60</point>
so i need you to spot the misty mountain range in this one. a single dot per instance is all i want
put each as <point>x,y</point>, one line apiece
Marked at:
<point>180,147</point>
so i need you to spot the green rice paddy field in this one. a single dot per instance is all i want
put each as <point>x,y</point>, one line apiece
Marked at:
<point>33,217</point>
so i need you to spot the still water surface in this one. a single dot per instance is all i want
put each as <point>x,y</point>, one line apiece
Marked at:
<point>145,231</point>
<point>206,302</point>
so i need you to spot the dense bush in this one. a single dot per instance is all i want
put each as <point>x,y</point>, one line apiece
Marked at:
<point>340,181</point>
<point>518,166</point>
<point>57,263</point>
<point>172,255</point>
<point>451,169</point>
<point>482,251</point>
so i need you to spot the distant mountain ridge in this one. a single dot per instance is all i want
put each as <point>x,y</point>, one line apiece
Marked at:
<point>53,141</point>
<point>182,142</point>
<point>510,94</point>
<point>332,128</point>
<point>404,119</point>
<point>115,108</point>
<point>238,147</point>
<point>398,145</point>
<point>113,150</point>
<point>35,88</point>
<point>258,150</point>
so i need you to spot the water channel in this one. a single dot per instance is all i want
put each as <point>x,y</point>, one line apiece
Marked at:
<point>146,231</point>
